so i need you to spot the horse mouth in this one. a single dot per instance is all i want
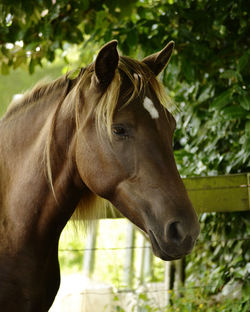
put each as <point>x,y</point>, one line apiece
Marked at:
<point>159,252</point>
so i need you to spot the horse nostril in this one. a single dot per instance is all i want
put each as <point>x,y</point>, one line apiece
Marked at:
<point>175,232</point>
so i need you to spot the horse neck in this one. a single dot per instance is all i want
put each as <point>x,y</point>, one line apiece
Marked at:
<point>27,123</point>
<point>24,136</point>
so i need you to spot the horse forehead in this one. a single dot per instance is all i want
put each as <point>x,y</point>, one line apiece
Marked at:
<point>150,108</point>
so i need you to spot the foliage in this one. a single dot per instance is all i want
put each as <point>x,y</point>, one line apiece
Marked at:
<point>221,260</point>
<point>193,301</point>
<point>208,76</point>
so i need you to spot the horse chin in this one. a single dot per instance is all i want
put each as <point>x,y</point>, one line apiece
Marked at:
<point>159,252</point>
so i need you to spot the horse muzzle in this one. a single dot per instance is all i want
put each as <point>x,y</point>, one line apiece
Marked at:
<point>176,243</point>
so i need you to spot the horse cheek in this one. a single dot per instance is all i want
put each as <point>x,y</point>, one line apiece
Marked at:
<point>95,169</point>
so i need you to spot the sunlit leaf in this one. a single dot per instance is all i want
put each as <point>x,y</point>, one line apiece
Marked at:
<point>205,94</point>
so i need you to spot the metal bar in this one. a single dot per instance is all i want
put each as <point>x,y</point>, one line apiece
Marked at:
<point>89,253</point>
<point>128,265</point>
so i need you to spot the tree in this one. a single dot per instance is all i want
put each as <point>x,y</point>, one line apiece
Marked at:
<point>209,71</point>
<point>33,30</point>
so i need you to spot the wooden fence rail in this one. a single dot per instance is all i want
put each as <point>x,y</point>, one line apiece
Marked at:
<point>219,194</point>
<point>225,193</point>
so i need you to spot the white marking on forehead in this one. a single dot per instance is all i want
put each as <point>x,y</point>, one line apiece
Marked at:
<point>136,76</point>
<point>149,106</point>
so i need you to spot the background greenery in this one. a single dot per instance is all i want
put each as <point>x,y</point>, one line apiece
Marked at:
<point>208,78</point>
<point>208,75</point>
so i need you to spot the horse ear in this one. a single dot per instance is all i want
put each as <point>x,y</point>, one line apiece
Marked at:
<point>158,61</point>
<point>106,63</point>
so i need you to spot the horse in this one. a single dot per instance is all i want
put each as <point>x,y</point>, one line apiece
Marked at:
<point>106,133</point>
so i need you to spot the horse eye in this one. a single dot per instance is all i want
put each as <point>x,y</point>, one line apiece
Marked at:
<point>120,131</point>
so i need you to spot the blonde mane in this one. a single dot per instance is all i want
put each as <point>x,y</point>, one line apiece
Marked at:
<point>140,77</point>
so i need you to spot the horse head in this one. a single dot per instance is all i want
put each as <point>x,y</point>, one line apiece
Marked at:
<point>124,149</point>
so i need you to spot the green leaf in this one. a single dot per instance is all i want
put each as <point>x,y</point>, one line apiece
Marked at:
<point>32,66</point>
<point>233,112</point>
<point>223,99</point>
<point>243,61</point>
<point>247,128</point>
<point>244,101</point>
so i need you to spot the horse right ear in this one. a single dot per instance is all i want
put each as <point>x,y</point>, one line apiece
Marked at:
<point>158,61</point>
<point>106,63</point>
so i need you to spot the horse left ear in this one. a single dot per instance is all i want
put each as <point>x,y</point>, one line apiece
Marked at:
<point>158,61</point>
<point>106,63</point>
